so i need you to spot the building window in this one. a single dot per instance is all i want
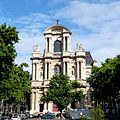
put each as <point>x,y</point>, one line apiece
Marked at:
<point>79,69</point>
<point>47,44</point>
<point>57,46</point>
<point>65,68</point>
<point>66,43</point>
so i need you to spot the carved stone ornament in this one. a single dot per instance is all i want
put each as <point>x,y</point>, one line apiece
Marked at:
<point>79,46</point>
<point>36,48</point>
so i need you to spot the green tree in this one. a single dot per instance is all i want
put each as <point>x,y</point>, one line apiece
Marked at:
<point>19,82</point>
<point>59,91</point>
<point>76,93</point>
<point>15,88</point>
<point>8,37</point>
<point>105,83</point>
<point>14,81</point>
<point>97,113</point>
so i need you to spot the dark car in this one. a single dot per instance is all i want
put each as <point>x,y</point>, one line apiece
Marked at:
<point>48,116</point>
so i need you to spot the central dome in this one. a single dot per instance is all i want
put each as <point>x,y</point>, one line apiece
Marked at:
<point>56,28</point>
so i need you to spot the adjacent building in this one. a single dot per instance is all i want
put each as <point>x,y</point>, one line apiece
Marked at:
<point>57,57</point>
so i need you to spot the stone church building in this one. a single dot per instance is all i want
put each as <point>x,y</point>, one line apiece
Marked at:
<point>57,57</point>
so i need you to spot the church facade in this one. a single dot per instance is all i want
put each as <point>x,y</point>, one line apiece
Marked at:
<point>57,57</point>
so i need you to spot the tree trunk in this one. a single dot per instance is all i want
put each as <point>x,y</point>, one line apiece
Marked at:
<point>4,107</point>
<point>115,106</point>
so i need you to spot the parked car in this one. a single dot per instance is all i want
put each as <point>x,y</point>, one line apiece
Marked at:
<point>48,116</point>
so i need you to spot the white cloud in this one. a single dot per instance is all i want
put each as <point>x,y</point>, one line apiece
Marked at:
<point>99,1</point>
<point>30,31</point>
<point>100,24</point>
<point>30,34</point>
<point>102,53</point>
<point>96,25</point>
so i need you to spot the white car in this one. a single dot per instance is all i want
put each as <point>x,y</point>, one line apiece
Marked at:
<point>15,118</point>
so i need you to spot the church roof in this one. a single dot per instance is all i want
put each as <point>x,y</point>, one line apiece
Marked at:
<point>57,28</point>
<point>89,59</point>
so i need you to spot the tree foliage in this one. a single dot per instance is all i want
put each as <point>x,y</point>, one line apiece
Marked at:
<point>14,89</point>
<point>105,81</point>
<point>76,93</point>
<point>14,81</point>
<point>97,113</point>
<point>61,91</point>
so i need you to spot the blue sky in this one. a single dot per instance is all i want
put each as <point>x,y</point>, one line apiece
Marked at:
<point>94,23</point>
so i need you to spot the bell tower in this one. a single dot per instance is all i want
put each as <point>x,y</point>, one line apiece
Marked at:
<point>57,40</point>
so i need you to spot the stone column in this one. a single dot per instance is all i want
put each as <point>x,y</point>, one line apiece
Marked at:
<point>83,75</point>
<point>37,102</point>
<point>45,107</point>
<point>33,71</point>
<point>46,45</point>
<point>63,44</point>
<point>69,43</point>
<point>36,71</point>
<point>51,45</point>
<point>77,70</point>
<point>45,71</point>
<point>32,101</point>
<point>49,75</point>
<point>63,67</point>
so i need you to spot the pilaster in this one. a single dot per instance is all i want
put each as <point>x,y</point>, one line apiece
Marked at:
<point>32,101</point>
<point>33,71</point>
<point>49,75</point>
<point>45,71</point>
<point>77,70</point>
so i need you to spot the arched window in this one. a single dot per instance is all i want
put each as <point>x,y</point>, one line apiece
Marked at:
<point>57,46</point>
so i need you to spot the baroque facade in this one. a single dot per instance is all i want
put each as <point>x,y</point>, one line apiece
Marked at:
<point>57,57</point>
